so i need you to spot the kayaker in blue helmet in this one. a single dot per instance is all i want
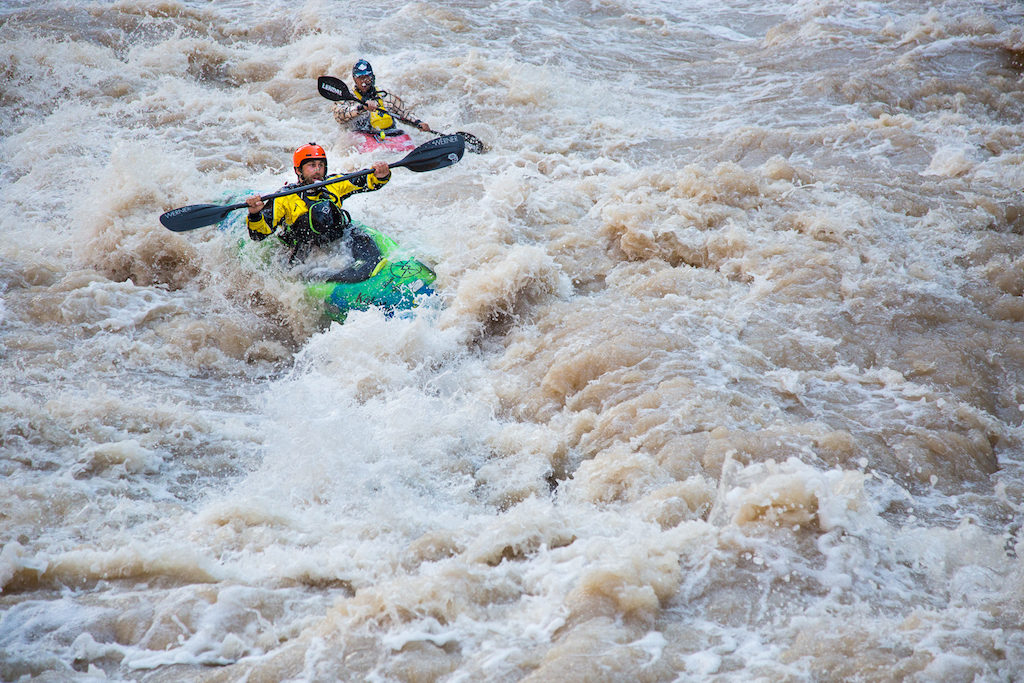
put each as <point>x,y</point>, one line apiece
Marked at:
<point>376,111</point>
<point>315,217</point>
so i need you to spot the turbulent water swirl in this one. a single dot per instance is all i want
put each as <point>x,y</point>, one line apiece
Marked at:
<point>723,378</point>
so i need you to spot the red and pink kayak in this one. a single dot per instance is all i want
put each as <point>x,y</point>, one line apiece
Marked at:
<point>367,142</point>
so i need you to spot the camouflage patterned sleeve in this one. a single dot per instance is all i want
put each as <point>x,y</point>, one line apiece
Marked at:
<point>347,110</point>
<point>397,108</point>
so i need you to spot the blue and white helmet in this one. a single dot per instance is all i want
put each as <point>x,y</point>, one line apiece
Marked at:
<point>362,68</point>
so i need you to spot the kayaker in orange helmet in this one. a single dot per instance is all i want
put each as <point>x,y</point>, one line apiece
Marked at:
<point>316,217</point>
<point>376,111</point>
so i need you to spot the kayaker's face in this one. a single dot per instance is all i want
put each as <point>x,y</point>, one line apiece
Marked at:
<point>312,171</point>
<point>363,83</point>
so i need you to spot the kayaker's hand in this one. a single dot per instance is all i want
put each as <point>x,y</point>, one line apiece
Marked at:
<point>370,105</point>
<point>423,125</point>
<point>255,204</point>
<point>381,170</point>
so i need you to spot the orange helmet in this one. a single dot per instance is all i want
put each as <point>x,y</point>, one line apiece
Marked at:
<point>306,153</point>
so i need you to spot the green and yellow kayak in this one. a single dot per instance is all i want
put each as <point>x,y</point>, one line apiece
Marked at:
<point>398,282</point>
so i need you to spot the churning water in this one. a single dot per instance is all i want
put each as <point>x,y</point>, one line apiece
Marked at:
<point>723,379</point>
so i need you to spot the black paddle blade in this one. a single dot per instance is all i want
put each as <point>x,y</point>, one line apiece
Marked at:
<point>438,153</point>
<point>473,143</point>
<point>333,88</point>
<point>195,216</point>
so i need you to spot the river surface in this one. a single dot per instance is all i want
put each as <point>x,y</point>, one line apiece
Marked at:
<point>723,379</point>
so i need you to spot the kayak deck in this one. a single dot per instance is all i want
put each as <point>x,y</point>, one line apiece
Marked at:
<point>398,282</point>
<point>368,142</point>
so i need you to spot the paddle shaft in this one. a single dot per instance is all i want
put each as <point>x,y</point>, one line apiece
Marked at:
<point>335,89</point>
<point>200,215</point>
<point>312,186</point>
<point>473,143</point>
<point>437,153</point>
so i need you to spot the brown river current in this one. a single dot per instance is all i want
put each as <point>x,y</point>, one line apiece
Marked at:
<point>723,379</point>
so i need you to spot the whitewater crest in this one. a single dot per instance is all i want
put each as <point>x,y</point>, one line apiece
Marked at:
<point>721,377</point>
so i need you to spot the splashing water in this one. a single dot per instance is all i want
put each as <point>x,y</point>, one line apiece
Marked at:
<point>722,378</point>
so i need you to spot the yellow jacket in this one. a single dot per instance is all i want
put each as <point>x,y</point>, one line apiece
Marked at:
<point>352,113</point>
<point>288,209</point>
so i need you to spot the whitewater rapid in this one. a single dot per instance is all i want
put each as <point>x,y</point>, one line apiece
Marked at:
<point>722,379</point>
